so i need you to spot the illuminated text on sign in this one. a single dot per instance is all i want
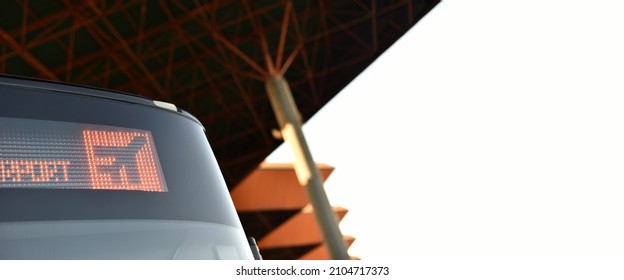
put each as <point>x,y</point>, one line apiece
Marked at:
<point>33,171</point>
<point>121,160</point>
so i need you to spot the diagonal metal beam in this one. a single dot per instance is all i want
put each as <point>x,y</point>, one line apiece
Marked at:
<point>44,35</point>
<point>283,32</point>
<point>346,25</point>
<point>268,59</point>
<point>70,56</point>
<point>141,26</point>
<point>24,21</point>
<point>374,25</point>
<point>2,61</point>
<point>103,40</point>
<point>234,49</point>
<point>250,105</point>
<point>309,72</point>
<point>196,15</point>
<point>182,35</point>
<point>126,48</point>
<point>50,22</point>
<point>289,60</point>
<point>27,56</point>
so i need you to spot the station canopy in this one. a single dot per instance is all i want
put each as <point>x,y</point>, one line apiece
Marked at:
<point>210,58</point>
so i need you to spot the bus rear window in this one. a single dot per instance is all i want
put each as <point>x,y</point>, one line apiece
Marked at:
<point>42,154</point>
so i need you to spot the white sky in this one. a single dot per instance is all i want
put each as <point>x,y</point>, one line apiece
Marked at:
<point>493,130</point>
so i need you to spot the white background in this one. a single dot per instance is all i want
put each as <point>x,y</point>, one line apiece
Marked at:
<point>493,130</point>
<point>191,270</point>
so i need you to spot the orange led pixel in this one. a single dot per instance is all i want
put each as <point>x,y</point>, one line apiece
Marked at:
<point>122,160</point>
<point>42,154</point>
<point>33,171</point>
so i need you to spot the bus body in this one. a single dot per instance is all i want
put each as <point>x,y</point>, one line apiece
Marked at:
<point>92,174</point>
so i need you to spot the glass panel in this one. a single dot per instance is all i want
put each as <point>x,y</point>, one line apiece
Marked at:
<point>41,154</point>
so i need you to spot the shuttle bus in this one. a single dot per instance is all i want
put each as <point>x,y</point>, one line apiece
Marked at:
<point>88,173</point>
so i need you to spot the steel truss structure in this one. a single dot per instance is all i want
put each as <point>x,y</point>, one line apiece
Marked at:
<point>208,57</point>
<point>211,58</point>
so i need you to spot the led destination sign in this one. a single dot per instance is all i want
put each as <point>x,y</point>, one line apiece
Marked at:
<point>39,154</point>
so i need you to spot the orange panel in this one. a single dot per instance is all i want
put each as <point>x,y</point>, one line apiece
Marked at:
<point>272,187</point>
<point>299,230</point>
<point>320,252</point>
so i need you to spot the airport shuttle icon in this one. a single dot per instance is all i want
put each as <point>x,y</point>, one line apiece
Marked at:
<point>122,160</point>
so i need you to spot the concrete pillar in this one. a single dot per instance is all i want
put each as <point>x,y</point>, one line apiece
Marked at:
<point>290,123</point>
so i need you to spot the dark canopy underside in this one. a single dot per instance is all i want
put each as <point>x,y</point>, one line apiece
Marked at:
<point>208,57</point>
